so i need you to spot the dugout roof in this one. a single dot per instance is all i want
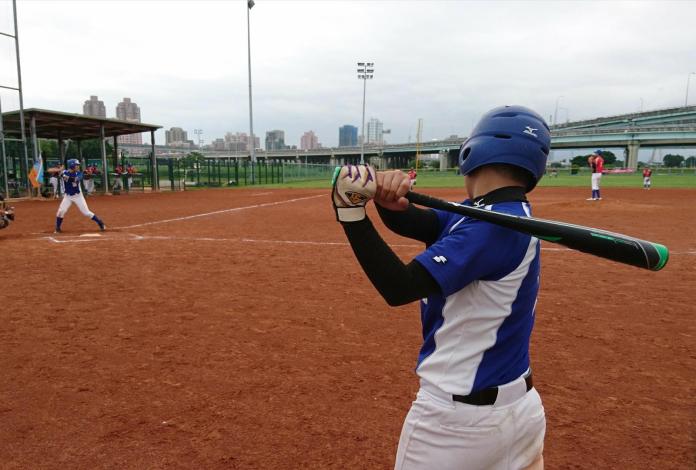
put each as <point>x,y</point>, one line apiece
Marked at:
<point>55,125</point>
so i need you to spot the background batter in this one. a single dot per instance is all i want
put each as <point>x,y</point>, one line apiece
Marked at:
<point>72,177</point>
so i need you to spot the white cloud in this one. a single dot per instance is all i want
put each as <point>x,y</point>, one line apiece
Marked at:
<point>185,63</point>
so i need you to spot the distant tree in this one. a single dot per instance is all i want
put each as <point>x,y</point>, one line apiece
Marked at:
<point>690,162</point>
<point>580,160</point>
<point>672,161</point>
<point>49,148</point>
<point>192,158</point>
<point>434,164</point>
<point>91,149</point>
<point>609,157</point>
<point>556,165</point>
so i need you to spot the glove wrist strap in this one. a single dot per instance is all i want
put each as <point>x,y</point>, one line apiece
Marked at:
<point>350,214</point>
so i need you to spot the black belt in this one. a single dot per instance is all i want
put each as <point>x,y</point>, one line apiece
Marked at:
<point>487,396</point>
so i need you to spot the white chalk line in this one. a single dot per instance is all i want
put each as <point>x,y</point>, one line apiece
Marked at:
<point>137,237</point>
<point>222,211</point>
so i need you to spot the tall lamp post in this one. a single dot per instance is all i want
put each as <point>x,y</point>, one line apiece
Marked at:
<point>250,5</point>
<point>365,72</point>
<point>555,113</point>
<point>688,77</point>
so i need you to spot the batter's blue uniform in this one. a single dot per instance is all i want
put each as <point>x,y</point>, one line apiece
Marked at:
<point>476,408</point>
<point>476,403</point>
<point>489,278</point>
<point>73,195</point>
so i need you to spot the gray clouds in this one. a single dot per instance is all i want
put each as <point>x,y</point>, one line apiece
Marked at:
<point>185,63</point>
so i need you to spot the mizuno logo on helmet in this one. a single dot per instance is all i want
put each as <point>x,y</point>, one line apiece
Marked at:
<point>530,130</point>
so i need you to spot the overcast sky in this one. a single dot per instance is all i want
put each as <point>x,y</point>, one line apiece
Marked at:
<point>185,62</point>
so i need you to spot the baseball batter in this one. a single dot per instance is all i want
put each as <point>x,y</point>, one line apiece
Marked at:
<point>72,177</point>
<point>477,284</point>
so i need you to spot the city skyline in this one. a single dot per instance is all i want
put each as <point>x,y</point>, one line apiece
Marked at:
<point>450,80</point>
<point>127,110</point>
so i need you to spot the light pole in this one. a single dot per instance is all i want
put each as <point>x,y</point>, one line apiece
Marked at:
<point>555,113</point>
<point>250,5</point>
<point>567,119</point>
<point>365,72</point>
<point>688,77</point>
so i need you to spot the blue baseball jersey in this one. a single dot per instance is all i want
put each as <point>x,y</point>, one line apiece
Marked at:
<point>476,332</point>
<point>72,182</point>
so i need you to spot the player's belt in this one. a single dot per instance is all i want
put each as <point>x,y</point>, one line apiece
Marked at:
<point>487,396</point>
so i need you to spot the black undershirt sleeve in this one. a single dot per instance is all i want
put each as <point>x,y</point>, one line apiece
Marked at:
<point>418,224</point>
<point>397,282</point>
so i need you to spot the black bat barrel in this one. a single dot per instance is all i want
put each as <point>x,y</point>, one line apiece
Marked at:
<point>609,245</point>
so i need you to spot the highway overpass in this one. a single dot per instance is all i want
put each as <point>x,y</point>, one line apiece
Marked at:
<point>672,127</point>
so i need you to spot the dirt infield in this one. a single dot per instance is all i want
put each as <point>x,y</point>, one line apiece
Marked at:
<point>234,329</point>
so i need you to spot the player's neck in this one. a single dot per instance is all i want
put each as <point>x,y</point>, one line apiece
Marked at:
<point>485,180</point>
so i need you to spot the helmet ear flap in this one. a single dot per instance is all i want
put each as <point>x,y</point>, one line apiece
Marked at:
<point>464,152</point>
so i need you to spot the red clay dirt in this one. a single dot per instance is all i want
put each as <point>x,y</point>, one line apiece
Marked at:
<point>234,329</point>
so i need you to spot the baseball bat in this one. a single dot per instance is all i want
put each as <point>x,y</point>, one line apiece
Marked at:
<point>609,245</point>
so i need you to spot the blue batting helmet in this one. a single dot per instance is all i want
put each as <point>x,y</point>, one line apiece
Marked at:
<point>73,162</point>
<point>514,135</point>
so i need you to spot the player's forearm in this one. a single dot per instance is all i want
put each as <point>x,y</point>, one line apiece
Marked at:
<point>418,224</point>
<point>397,282</point>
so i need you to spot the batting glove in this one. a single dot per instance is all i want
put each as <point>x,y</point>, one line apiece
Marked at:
<point>353,186</point>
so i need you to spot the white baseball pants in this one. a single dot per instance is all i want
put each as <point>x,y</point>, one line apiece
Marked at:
<point>442,434</point>
<point>78,200</point>
<point>596,177</point>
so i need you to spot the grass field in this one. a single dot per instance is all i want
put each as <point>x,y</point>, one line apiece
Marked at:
<point>449,179</point>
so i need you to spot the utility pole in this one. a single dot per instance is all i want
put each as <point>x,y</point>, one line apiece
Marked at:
<point>365,72</point>
<point>252,154</point>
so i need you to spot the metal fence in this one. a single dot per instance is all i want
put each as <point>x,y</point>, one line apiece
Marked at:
<point>176,174</point>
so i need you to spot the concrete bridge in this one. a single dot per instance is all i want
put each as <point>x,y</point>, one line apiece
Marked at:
<point>386,156</point>
<point>673,127</point>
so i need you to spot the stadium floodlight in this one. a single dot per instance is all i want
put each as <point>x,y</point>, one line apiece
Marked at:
<point>555,113</point>
<point>252,153</point>
<point>365,72</point>
<point>688,77</point>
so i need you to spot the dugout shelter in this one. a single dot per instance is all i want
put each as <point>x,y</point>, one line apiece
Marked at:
<point>64,127</point>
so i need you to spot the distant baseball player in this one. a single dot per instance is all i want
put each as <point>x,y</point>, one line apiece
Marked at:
<point>647,175</point>
<point>119,171</point>
<point>412,176</point>
<point>88,179</point>
<point>53,179</point>
<point>72,177</point>
<point>477,284</point>
<point>130,171</point>
<point>596,163</point>
<point>7,213</point>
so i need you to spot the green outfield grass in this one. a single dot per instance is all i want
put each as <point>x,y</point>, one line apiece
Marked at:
<point>659,180</point>
<point>449,179</point>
